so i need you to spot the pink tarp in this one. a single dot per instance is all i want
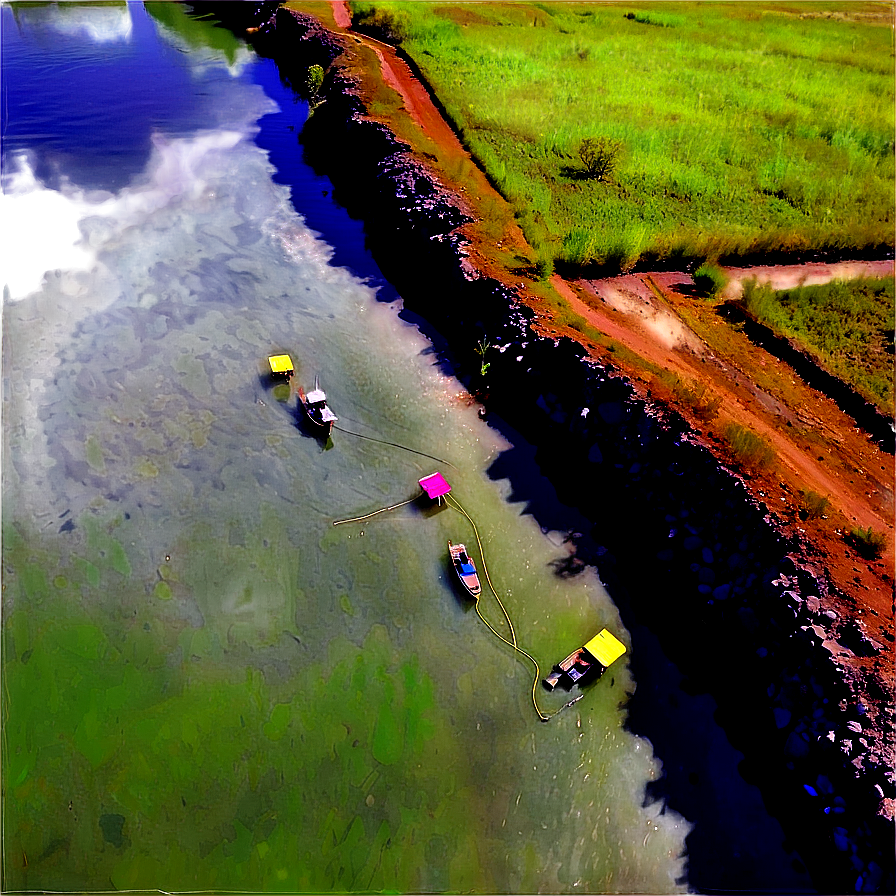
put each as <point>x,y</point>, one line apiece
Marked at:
<point>435,485</point>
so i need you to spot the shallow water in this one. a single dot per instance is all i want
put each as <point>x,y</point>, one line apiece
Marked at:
<point>208,684</point>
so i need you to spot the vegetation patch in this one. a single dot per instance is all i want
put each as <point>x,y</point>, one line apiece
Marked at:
<point>846,325</point>
<point>750,450</point>
<point>741,129</point>
<point>812,505</point>
<point>709,280</point>
<point>867,542</point>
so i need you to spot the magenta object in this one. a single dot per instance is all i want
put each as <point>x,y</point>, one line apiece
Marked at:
<point>435,485</point>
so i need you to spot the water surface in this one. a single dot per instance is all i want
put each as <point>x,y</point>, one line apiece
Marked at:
<point>208,685</point>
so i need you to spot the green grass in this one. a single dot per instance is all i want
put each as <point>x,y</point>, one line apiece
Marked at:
<point>709,280</point>
<point>745,127</point>
<point>812,505</point>
<point>847,325</point>
<point>749,449</point>
<point>867,542</point>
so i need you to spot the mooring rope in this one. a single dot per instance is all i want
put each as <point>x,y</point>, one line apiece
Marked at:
<point>395,445</point>
<point>367,516</point>
<point>453,502</point>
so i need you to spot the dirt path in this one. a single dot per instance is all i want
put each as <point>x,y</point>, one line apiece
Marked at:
<point>789,276</point>
<point>624,310</point>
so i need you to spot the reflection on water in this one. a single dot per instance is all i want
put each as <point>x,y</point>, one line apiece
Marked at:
<point>41,227</point>
<point>210,686</point>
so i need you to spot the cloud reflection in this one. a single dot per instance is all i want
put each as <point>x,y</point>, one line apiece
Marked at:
<point>43,230</point>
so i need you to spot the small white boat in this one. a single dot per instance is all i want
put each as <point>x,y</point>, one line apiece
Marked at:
<point>316,408</point>
<point>465,568</point>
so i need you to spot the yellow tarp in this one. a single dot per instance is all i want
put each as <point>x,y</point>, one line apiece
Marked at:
<point>280,364</point>
<point>605,648</point>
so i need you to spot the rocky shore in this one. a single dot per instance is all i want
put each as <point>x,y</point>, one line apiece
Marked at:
<point>676,537</point>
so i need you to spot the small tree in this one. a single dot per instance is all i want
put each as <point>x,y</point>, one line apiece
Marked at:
<point>599,156</point>
<point>314,79</point>
<point>481,349</point>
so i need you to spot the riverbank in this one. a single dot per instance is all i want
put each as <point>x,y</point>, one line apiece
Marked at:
<point>756,618</point>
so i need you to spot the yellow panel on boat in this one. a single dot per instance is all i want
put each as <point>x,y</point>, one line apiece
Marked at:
<point>280,363</point>
<point>605,647</point>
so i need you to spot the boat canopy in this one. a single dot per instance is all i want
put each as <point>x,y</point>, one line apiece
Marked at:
<point>435,485</point>
<point>280,364</point>
<point>605,647</point>
<point>315,396</point>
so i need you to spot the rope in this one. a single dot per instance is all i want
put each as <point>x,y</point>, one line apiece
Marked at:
<point>367,516</point>
<point>512,644</point>
<point>440,460</point>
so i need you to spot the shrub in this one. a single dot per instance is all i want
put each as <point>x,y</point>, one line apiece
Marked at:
<point>544,267</point>
<point>709,280</point>
<point>599,156</point>
<point>386,25</point>
<point>813,505</point>
<point>749,450</point>
<point>867,542</point>
<point>314,79</point>
<point>694,395</point>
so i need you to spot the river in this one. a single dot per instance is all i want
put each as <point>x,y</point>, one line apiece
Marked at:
<point>208,685</point>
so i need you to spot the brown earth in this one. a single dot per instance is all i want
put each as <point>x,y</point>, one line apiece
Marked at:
<point>651,327</point>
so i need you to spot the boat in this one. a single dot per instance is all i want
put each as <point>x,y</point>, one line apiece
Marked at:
<point>281,366</point>
<point>466,570</point>
<point>316,408</point>
<point>587,663</point>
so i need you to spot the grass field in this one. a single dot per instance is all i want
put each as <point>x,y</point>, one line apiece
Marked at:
<point>743,128</point>
<point>848,326</point>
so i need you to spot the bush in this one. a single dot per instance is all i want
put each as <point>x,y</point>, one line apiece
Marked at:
<point>314,79</point>
<point>709,280</point>
<point>383,24</point>
<point>544,267</point>
<point>867,542</point>
<point>599,156</point>
<point>813,505</point>
<point>749,450</point>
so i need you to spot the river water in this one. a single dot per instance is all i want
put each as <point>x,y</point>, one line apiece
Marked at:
<point>208,685</point>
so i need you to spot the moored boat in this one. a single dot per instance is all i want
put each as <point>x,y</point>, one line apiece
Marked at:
<point>588,662</point>
<point>316,408</point>
<point>465,568</point>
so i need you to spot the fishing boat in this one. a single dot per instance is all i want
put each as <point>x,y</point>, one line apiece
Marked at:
<point>316,409</point>
<point>588,662</point>
<point>466,571</point>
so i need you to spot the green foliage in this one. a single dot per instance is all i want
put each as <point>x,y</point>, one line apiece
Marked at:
<point>710,280</point>
<point>813,506</point>
<point>847,325</point>
<point>749,449</point>
<point>314,79</point>
<point>867,542</point>
<point>599,156</point>
<point>544,267</point>
<point>703,404</point>
<point>747,127</point>
<point>483,346</point>
<point>382,21</point>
